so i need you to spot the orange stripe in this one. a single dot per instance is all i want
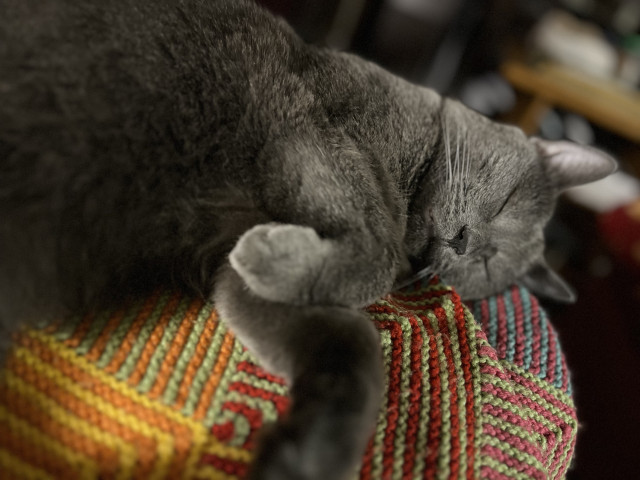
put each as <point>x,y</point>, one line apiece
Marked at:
<point>196,360</point>
<point>171,358</point>
<point>20,406</point>
<point>30,454</point>
<point>226,349</point>
<point>81,330</point>
<point>101,342</point>
<point>153,341</point>
<point>134,330</point>
<point>181,434</point>
<point>146,447</point>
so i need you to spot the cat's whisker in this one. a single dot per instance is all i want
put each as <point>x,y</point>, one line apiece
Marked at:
<point>458,166</point>
<point>448,155</point>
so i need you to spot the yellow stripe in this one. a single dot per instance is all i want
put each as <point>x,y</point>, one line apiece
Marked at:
<point>127,453</point>
<point>222,450</point>
<point>210,473</point>
<point>20,469</point>
<point>164,440</point>
<point>198,430</point>
<point>117,385</point>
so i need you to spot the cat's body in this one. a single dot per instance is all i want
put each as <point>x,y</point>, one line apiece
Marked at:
<point>203,146</point>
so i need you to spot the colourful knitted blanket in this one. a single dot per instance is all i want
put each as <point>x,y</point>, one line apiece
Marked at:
<point>163,390</point>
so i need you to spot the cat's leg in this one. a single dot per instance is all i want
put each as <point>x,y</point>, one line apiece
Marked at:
<point>293,264</point>
<point>331,359</point>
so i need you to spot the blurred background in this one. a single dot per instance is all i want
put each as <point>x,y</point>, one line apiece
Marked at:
<point>559,69</point>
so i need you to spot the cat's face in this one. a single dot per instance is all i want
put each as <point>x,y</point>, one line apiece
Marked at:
<point>487,198</point>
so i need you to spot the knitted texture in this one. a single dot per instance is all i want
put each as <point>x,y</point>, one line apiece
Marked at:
<point>162,389</point>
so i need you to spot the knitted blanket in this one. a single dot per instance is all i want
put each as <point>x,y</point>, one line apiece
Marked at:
<point>162,389</point>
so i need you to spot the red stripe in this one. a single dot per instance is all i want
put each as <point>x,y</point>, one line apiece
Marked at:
<point>400,298</point>
<point>415,394</point>
<point>465,357</point>
<point>367,467</point>
<point>256,371</point>
<point>281,403</point>
<point>444,324</point>
<point>435,414</point>
<point>395,374</point>
<point>227,465</point>
<point>254,417</point>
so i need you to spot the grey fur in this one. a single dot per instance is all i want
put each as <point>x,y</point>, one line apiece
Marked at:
<point>203,146</point>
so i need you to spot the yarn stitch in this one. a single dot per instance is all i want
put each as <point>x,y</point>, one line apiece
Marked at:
<point>162,389</point>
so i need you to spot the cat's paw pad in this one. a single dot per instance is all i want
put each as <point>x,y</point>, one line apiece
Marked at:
<point>280,263</point>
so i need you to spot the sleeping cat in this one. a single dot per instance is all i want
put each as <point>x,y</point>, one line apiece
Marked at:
<point>201,145</point>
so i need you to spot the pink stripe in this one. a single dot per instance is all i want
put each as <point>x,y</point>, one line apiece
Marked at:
<point>521,339</point>
<point>504,414</point>
<point>487,351</point>
<point>512,462</point>
<point>565,374</point>
<point>513,440</point>
<point>534,388</point>
<point>535,327</point>
<point>496,372</point>
<point>552,358</point>
<point>567,459</point>
<point>489,473</point>
<point>521,400</point>
<point>503,333</point>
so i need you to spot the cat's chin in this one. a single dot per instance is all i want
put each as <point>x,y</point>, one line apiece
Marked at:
<point>474,285</point>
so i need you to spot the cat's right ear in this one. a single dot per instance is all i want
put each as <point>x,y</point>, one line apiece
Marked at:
<point>543,281</point>
<point>568,164</point>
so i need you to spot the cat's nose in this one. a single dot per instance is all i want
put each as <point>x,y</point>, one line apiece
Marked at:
<point>460,241</point>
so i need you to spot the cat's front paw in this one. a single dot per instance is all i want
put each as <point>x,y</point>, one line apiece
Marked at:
<point>280,263</point>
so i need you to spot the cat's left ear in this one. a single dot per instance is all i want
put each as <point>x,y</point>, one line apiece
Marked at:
<point>569,164</point>
<point>543,281</point>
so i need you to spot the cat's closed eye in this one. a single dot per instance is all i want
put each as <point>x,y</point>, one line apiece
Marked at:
<point>505,203</point>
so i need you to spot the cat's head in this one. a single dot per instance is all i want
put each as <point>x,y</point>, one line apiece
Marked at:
<point>486,199</point>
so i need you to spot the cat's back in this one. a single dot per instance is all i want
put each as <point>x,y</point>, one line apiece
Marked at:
<point>115,120</point>
<point>164,73</point>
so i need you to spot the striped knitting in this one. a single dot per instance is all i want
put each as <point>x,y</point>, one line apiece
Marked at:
<point>163,390</point>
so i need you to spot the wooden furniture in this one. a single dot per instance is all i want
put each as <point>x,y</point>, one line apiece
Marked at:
<point>546,85</point>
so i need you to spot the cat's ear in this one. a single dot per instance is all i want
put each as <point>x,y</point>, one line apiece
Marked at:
<point>569,164</point>
<point>543,281</point>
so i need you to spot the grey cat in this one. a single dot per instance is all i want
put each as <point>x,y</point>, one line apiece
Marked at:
<point>201,145</point>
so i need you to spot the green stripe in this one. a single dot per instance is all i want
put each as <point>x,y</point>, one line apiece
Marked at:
<point>189,349</point>
<point>444,457</point>
<point>261,383</point>
<point>159,354</point>
<point>461,391</point>
<point>118,335</point>
<point>141,340</point>
<point>400,442</point>
<point>96,326</point>
<point>425,406</point>
<point>222,394</point>
<point>378,439</point>
<point>66,328</point>
<point>204,371</point>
